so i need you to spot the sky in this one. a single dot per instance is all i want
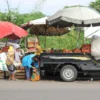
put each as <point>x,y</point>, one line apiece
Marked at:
<point>48,7</point>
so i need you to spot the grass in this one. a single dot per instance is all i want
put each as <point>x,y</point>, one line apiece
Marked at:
<point>67,41</point>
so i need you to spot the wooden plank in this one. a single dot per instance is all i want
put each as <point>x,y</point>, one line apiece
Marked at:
<point>2,74</point>
<point>20,74</point>
<point>1,71</point>
<point>20,77</point>
<point>2,77</point>
<point>20,71</point>
<point>17,73</point>
<point>7,73</point>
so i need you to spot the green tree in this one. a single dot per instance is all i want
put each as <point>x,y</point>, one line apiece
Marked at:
<point>73,6</point>
<point>14,17</point>
<point>95,5</point>
<point>32,16</point>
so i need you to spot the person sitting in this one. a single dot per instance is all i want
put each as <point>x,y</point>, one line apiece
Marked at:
<point>27,62</point>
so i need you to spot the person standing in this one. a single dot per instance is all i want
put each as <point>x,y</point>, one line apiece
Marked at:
<point>9,62</point>
<point>30,61</point>
<point>18,56</point>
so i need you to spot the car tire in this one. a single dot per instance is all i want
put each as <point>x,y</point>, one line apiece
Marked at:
<point>68,73</point>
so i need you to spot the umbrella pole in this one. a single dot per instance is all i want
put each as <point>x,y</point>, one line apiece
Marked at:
<point>45,37</point>
<point>59,42</point>
<point>20,42</point>
<point>37,35</point>
<point>38,38</point>
<point>25,42</point>
<point>77,44</point>
<point>45,42</point>
<point>59,36</point>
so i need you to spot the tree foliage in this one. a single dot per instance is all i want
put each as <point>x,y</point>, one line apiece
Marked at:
<point>95,5</point>
<point>32,16</point>
<point>73,6</point>
<point>13,15</point>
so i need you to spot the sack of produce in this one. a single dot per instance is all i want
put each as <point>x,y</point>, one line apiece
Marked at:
<point>3,65</point>
<point>95,47</point>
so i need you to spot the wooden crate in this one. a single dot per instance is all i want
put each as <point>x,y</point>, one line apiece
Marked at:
<point>20,77</point>
<point>1,74</point>
<point>20,74</point>
<point>20,71</point>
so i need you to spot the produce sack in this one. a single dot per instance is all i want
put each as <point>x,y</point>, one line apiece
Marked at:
<point>3,65</point>
<point>95,47</point>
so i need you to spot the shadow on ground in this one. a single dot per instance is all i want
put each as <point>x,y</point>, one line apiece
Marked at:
<point>79,78</point>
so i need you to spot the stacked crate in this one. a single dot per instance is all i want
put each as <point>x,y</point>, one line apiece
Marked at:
<point>1,74</point>
<point>20,74</point>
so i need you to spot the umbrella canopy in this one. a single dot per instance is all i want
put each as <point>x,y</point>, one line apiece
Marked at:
<point>39,27</point>
<point>10,30</point>
<point>80,16</point>
<point>49,31</point>
<point>40,21</point>
<point>4,30</point>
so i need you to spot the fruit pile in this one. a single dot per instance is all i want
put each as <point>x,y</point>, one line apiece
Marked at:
<point>5,49</point>
<point>66,51</point>
<point>76,50</point>
<point>86,48</point>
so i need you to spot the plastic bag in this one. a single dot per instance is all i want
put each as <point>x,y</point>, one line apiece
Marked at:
<point>17,64</point>
<point>35,76</point>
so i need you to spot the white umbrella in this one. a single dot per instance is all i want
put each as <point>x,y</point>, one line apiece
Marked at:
<point>39,27</point>
<point>80,16</point>
<point>40,21</point>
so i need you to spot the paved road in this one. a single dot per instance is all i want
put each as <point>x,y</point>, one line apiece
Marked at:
<point>49,90</point>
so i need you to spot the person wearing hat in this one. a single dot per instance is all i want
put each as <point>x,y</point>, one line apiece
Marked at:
<point>9,62</point>
<point>28,62</point>
<point>38,50</point>
<point>13,59</point>
<point>17,60</point>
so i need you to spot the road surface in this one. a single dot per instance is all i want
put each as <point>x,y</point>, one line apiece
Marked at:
<point>49,90</point>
